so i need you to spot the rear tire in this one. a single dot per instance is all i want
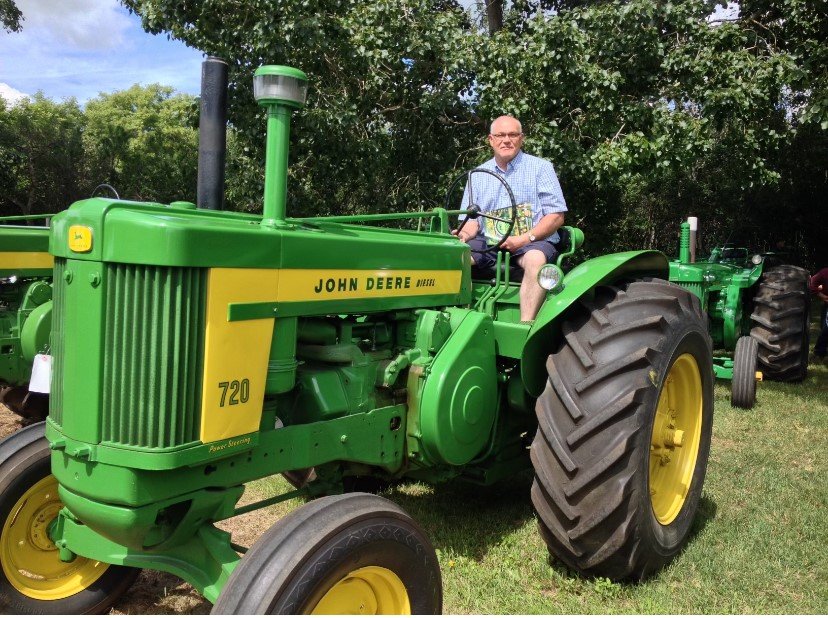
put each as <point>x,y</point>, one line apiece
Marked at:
<point>607,438</point>
<point>780,315</point>
<point>32,579</point>
<point>346,554</point>
<point>743,386</point>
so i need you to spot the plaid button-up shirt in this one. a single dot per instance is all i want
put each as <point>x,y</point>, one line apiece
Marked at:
<point>533,181</point>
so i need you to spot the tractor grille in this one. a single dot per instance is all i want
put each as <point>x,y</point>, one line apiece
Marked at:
<point>56,341</point>
<point>153,345</point>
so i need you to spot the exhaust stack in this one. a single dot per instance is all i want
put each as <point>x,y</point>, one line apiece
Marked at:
<point>694,227</point>
<point>212,134</point>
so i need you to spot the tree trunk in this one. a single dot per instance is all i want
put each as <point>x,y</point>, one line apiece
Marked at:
<point>494,15</point>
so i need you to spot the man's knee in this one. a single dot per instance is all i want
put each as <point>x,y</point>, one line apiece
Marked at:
<point>532,260</point>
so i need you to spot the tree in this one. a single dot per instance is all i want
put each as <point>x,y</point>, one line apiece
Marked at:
<point>10,16</point>
<point>649,111</point>
<point>143,141</point>
<point>40,155</point>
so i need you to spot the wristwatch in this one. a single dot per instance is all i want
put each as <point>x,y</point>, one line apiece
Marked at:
<point>532,237</point>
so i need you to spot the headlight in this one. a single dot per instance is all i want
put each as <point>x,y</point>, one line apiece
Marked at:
<point>550,277</point>
<point>756,259</point>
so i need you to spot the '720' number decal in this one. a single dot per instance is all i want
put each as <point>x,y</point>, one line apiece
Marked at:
<point>235,392</point>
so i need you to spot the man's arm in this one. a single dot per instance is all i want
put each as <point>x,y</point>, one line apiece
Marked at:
<point>469,231</point>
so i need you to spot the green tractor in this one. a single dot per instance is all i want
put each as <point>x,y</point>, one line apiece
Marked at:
<point>757,313</point>
<point>25,314</point>
<point>195,351</point>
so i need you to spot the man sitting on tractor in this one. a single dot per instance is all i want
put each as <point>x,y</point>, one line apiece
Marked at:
<point>541,208</point>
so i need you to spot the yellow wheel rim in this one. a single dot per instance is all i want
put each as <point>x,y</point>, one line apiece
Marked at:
<point>369,590</point>
<point>30,559</point>
<point>674,446</point>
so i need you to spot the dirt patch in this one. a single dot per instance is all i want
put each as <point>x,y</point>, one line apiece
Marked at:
<point>9,423</point>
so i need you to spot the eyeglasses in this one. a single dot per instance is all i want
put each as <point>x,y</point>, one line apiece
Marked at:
<point>502,136</point>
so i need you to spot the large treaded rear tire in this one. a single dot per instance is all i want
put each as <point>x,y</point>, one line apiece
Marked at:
<point>592,451</point>
<point>780,314</point>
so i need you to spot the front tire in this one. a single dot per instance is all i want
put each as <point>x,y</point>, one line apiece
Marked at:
<point>743,386</point>
<point>347,554</point>
<point>624,430</point>
<point>33,580</point>
<point>780,315</point>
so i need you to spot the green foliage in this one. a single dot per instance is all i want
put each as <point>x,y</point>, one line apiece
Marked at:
<point>649,112</point>
<point>144,142</point>
<point>40,154</point>
<point>10,16</point>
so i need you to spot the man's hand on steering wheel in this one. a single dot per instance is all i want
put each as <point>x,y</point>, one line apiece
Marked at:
<point>513,243</point>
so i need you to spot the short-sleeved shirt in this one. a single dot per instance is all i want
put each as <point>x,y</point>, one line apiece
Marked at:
<point>533,182</point>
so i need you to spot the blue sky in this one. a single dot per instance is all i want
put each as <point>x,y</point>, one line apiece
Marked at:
<point>80,48</point>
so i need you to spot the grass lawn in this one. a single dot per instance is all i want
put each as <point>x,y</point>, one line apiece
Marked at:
<point>758,545</point>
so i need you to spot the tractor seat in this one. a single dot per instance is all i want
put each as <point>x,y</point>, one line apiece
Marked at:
<point>565,245</point>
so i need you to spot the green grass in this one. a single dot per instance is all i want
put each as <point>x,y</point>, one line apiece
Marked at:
<point>758,545</point>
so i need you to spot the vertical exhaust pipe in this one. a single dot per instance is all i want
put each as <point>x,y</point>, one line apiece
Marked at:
<point>212,134</point>
<point>694,227</point>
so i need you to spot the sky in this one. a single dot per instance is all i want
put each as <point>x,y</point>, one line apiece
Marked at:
<point>80,48</point>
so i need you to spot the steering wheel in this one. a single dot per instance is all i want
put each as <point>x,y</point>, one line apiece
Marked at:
<point>474,210</point>
<point>107,187</point>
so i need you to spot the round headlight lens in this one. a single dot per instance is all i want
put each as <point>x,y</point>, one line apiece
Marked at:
<point>756,259</point>
<point>550,277</point>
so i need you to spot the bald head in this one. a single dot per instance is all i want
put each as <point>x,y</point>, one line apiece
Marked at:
<point>506,139</point>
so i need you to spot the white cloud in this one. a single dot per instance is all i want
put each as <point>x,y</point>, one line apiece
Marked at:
<point>79,24</point>
<point>11,95</point>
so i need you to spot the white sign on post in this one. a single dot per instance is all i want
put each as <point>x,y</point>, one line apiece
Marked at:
<point>41,374</point>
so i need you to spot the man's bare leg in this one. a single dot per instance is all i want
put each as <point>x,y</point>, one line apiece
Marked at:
<point>531,294</point>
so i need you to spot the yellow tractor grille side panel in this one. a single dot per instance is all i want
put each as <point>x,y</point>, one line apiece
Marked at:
<point>236,353</point>
<point>298,285</point>
<point>25,260</point>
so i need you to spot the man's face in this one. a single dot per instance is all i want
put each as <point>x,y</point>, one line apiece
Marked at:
<point>506,138</point>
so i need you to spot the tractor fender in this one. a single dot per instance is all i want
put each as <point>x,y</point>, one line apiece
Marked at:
<point>34,336</point>
<point>580,281</point>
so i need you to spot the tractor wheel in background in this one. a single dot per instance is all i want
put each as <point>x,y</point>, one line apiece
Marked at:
<point>780,316</point>
<point>33,580</point>
<point>743,386</point>
<point>347,554</point>
<point>624,430</point>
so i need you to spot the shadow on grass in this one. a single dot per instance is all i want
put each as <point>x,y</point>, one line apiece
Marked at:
<point>467,519</point>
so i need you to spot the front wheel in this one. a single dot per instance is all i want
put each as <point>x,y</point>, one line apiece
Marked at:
<point>33,579</point>
<point>624,431</point>
<point>743,386</point>
<point>347,554</point>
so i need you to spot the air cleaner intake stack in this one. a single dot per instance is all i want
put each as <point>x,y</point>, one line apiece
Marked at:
<point>212,134</point>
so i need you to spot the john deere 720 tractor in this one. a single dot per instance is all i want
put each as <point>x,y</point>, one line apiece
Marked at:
<point>195,351</point>
<point>756,312</point>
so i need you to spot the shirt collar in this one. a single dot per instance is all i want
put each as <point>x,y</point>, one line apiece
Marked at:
<point>510,166</point>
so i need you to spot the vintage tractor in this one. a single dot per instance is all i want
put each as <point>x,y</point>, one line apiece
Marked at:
<point>195,351</point>
<point>757,314</point>
<point>25,313</point>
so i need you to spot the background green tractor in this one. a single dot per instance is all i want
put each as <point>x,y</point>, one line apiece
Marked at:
<point>195,351</point>
<point>757,313</point>
<point>25,313</point>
